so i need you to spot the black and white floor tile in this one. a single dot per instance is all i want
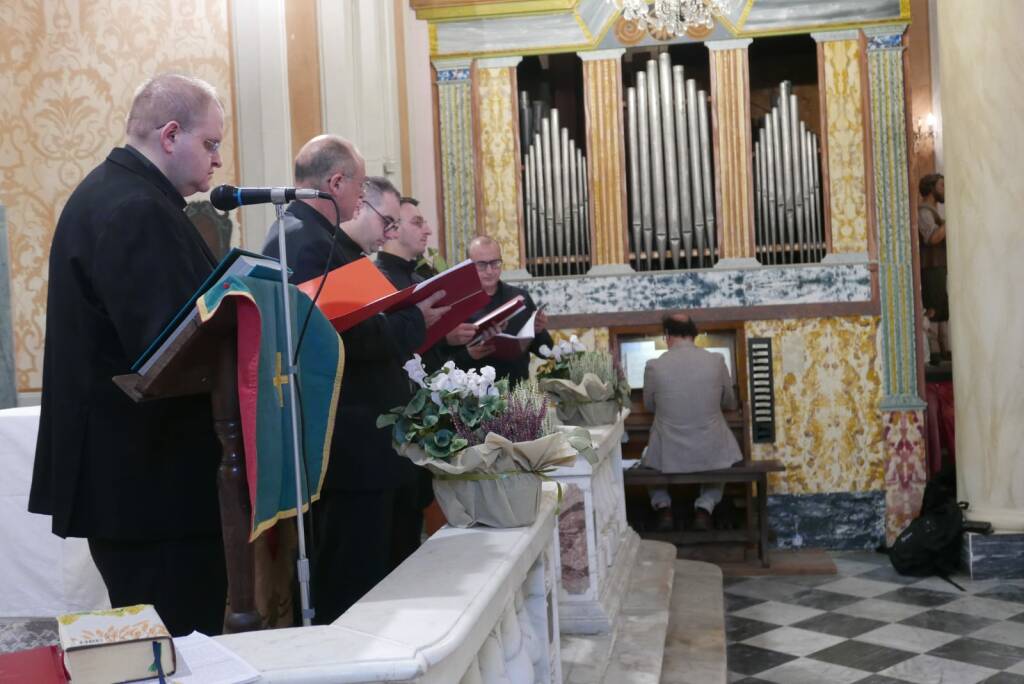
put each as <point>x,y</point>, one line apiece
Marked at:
<point>869,625</point>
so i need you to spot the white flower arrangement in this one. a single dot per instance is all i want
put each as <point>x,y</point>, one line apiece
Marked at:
<point>450,380</point>
<point>562,349</point>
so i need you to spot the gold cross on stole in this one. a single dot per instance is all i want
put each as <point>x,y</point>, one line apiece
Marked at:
<point>280,381</point>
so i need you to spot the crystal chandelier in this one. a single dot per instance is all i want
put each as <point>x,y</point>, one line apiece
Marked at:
<point>672,17</point>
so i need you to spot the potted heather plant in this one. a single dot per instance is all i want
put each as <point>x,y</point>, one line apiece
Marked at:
<point>488,448</point>
<point>586,387</point>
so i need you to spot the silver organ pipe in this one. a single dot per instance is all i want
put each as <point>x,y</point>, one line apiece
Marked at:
<point>556,221</point>
<point>671,187</point>
<point>788,178</point>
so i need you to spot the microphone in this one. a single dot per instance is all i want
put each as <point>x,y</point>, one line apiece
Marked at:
<point>228,197</point>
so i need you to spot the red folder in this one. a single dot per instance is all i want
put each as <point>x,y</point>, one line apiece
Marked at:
<point>44,665</point>
<point>498,316</point>
<point>509,347</point>
<point>356,291</point>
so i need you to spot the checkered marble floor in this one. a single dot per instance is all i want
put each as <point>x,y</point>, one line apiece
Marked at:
<point>869,625</point>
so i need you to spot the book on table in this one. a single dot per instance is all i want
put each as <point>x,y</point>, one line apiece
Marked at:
<point>236,262</point>
<point>358,290</point>
<point>115,645</point>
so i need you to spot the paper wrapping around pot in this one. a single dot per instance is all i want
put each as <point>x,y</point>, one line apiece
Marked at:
<point>494,483</point>
<point>591,402</point>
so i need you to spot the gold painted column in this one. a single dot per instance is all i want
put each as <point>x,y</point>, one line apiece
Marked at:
<point>733,145</point>
<point>499,192</point>
<point>843,147</point>
<point>606,160</point>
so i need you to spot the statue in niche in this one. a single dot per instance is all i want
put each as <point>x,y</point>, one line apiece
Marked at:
<point>215,226</point>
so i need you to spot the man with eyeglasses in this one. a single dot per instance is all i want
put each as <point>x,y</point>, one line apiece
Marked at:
<point>139,481</point>
<point>360,506</point>
<point>486,254</point>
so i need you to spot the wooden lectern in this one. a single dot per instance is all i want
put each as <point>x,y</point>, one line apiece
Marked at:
<point>201,359</point>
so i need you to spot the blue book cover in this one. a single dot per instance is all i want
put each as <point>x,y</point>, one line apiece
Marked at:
<point>236,262</point>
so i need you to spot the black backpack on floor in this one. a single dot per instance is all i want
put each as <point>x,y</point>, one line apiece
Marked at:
<point>930,545</point>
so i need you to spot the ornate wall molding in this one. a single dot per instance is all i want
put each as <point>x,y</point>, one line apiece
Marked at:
<point>702,289</point>
<point>892,208</point>
<point>840,57</point>
<point>455,114</point>
<point>499,190</point>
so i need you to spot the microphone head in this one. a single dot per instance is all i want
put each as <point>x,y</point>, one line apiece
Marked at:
<point>224,197</point>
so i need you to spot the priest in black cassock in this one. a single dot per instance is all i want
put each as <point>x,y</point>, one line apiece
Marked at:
<point>139,481</point>
<point>359,505</point>
<point>486,255</point>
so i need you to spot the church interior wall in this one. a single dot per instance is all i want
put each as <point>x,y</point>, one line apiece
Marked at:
<point>854,464</point>
<point>68,71</point>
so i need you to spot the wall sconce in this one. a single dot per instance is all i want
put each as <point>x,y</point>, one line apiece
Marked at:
<point>924,131</point>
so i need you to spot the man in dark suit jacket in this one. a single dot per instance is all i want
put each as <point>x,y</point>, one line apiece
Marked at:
<point>137,480</point>
<point>486,254</point>
<point>356,511</point>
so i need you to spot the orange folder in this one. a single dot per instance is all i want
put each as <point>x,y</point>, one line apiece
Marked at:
<point>353,293</point>
<point>356,291</point>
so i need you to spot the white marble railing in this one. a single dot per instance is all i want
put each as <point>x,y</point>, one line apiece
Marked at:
<point>596,543</point>
<point>473,606</point>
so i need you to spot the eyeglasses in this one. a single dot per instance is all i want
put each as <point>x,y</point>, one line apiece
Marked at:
<point>485,265</point>
<point>212,146</point>
<point>390,223</point>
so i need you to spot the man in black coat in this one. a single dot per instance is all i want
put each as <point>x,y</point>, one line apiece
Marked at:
<point>356,511</point>
<point>486,254</point>
<point>137,480</point>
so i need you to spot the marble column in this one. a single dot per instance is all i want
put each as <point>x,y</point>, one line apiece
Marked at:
<point>982,86</point>
<point>458,172</point>
<point>8,380</point>
<point>843,148</point>
<point>498,180</point>
<point>902,407</point>
<point>734,181</point>
<point>606,160</point>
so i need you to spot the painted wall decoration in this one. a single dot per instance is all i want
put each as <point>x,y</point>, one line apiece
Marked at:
<point>702,289</point>
<point>905,470</point>
<point>498,160</point>
<point>455,111</point>
<point>845,140</point>
<point>828,427</point>
<point>68,71</point>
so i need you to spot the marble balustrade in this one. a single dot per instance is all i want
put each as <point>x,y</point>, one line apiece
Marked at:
<point>474,606</point>
<point>598,547</point>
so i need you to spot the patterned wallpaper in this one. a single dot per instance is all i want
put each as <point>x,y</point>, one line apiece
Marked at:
<point>499,167</point>
<point>828,428</point>
<point>68,70</point>
<point>845,140</point>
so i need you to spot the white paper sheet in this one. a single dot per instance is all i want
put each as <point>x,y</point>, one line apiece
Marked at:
<point>201,660</point>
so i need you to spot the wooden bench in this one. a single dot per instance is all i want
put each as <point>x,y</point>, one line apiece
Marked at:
<point>745,471</point>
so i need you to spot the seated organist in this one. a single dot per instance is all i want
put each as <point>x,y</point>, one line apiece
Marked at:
<point>687,388</point>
